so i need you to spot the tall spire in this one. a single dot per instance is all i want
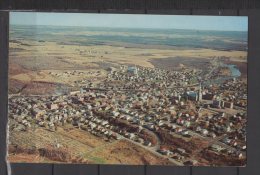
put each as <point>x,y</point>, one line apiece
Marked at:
<point>200,93</point>
<point>136,71</point>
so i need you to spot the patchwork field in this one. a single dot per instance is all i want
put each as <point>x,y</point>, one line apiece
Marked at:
<point>73,145</point>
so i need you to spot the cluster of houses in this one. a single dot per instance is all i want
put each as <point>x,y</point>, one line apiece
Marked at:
<point>219,150</point>
<point>231,93</point>
<point>74,73</point>
<point>149,98</point>
<point>53,112</point>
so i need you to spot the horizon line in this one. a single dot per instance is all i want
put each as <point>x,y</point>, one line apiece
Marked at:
<point>129,27</point>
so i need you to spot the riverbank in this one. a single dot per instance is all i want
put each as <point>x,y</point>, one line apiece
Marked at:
<point>242,66</point>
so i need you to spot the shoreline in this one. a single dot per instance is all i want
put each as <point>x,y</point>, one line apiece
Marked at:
<point>241,66</point>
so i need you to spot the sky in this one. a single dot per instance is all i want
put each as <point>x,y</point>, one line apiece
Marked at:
<point>222,23</point>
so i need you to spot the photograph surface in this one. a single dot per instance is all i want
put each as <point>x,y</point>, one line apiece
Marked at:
<point>127,89</point>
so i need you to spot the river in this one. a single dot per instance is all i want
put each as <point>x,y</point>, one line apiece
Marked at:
<point>235,73</point>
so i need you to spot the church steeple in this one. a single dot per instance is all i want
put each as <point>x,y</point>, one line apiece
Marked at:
<point>136,71</point>
<point>200,93</point>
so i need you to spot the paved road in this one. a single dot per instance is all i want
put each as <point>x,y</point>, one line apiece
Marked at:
<point>158,141</point>
<point>151,149</point>
<point>19,95</point>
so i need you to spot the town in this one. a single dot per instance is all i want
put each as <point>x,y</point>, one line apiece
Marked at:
<point>189,116</point>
